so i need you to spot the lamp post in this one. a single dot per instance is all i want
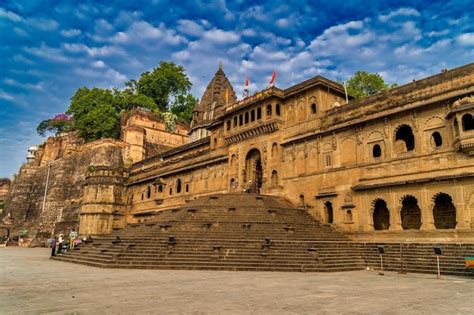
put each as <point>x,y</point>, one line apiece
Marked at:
<point>438,252</point>
<point>381,250</point>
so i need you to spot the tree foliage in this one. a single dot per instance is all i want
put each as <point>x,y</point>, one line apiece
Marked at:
<point>58,124</point>
<point>364,83</point>
<point>96,114</point>
<point>183,107</point>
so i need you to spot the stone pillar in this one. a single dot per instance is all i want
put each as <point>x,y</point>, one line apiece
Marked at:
<point>426,208</point>
<point>462,208</point>
<point>394,210</point>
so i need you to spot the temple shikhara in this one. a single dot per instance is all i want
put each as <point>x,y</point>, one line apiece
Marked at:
<point>387,168</point>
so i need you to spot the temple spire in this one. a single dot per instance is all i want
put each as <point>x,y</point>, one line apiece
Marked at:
<point>220,65</point>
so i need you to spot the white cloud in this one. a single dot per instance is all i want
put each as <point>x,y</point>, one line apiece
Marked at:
<point>399,12</point>
<point>141,31</point>
<point>5,96</point>
<point>38,86</point>
<point>43,24</point>
<point>466,39</point>
<point>93,51</point>
<point>99,64</point>
<point>46,52</point>
<point>190,28</point>
<point>220,36</point>
<point>71,32</point>
<point>10,15</point>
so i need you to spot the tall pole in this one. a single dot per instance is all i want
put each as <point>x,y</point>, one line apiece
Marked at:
<point>437,261</point>
<point>46,186</point>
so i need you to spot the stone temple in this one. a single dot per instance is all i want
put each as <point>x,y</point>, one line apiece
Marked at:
<point>392,168</point>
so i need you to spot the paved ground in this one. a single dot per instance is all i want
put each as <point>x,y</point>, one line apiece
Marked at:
<point>31,283</point>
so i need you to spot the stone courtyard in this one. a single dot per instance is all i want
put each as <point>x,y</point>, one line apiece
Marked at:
<point>33,284</point>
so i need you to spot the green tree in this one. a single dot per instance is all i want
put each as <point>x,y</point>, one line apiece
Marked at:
<point>128,99</point>
<point>58,124</point>
<point>183,107</point>
<point>163,84</point>
<point>95,113</point>
<point>364,83</point>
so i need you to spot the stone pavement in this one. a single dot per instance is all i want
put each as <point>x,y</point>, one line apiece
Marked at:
<point>31,283</point>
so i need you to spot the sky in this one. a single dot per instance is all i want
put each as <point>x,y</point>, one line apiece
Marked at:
<point>49,49</point>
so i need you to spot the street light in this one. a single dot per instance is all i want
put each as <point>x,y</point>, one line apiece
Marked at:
<point>381,250</point>
<point>438,252</point>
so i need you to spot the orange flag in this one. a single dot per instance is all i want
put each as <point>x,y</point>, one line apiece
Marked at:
<point>272,80</point>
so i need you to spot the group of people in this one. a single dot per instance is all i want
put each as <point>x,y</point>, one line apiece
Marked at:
<point>59,244</point>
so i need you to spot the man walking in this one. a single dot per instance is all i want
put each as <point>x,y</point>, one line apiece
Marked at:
<point>53,246</point>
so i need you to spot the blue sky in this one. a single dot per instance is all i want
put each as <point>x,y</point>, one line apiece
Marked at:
<point>48,49</point>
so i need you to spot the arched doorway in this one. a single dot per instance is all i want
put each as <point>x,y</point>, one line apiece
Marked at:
<point>444,212</point>
<point>381,215</point>
<point>411,214</point>
<point>329,212</point>
<point>253,171</point>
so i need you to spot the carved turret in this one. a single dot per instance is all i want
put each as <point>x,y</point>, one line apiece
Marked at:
<point>218,94</point>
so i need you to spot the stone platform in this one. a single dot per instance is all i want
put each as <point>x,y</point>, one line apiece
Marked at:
<point>31,283</point>
<point>245,232</point>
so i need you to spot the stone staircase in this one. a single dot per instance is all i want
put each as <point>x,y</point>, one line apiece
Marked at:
<point>225,232</point>
<point>418,257</point>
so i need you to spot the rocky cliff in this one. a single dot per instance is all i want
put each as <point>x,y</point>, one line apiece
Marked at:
<point>45,198</point>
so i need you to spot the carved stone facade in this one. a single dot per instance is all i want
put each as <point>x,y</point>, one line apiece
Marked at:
<point>398,161</point>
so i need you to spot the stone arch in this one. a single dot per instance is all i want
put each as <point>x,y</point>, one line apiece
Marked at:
<point>178,186</point>
<point>277,110</point>
<point>300,111</point>
<point>148,192</point>
<point>436,139</point>
<point>232,160</point>
<point>374,136</point>
<point>348,217</point>
<point>410,213</point>
<point>302,202</point>
<point>444,211</point>
<point>329,212</point>
<point>274,150</point>
<point>404,139</point>
<point>380,214</point>
<point>274,178</point>
<point>259,113</point>
<point>252,115</point>
<point>434,122</point>
<point>253,170</point>
<point>290,114</point>
<point>314,108</point>
<point>467,122</point>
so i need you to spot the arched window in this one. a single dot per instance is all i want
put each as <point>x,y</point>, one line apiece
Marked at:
<point>277,109</point>
<point>259,113</point>
<point>349,216</point>
<point>235,121</point>
<point>233,184</point>
<point>410,213</point>
<point>228,125</point>
<point>274,179</point>
<point>376,151</point>
<point>381,215</point>
<point>232,160</point>
<point>160,188</point>
<point>444,212</point>
<point>313,108</point>
<point>404,139</point>
<point>269,110</point>
<point>171,191</point>
<point>187,188</point>
<point>178,186</point>
<point>241,120</point>
<point>215,142</point>
<point>467,122</point>
<point>148,192</point>
<point>247,117</point>
<point>252,115</point>
<point>436,140</point>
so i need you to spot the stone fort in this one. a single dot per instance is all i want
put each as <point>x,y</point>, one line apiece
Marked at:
<point>397,164</point>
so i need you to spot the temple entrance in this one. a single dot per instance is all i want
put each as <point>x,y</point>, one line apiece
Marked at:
<point>329,212</point>
<point>444,212</point>
<point>411,214</point>
<point>381,215</point>
<point>253,171</point>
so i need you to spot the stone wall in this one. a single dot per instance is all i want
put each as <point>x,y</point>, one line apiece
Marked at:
<point>57,211</point>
